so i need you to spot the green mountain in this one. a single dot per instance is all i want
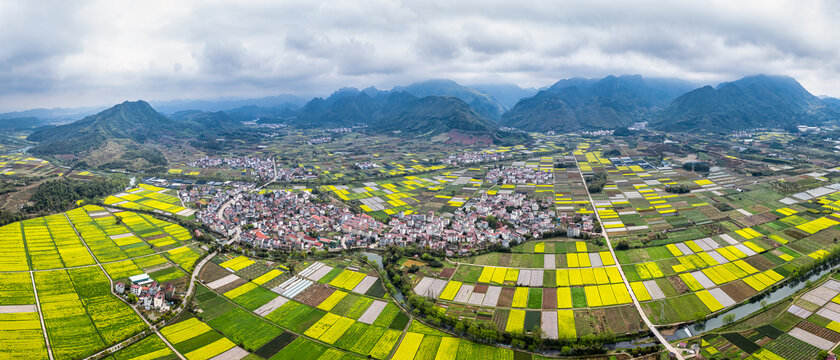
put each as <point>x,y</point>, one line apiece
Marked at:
<point>590,104</point>
<point>21,123</point>
<point>115,135</point>
<point>218,120</point>
<point>443,118</point>
<point>759,101</point>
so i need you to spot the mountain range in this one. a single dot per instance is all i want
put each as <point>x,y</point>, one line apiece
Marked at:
<point>113,137</point>
<point>442,110</point>
<point>759,101</point>
<point>400,112</point>
<point>586,104</point>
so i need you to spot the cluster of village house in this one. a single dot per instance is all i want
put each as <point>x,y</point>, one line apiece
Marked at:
<point>466,158</point>
<point>365,165</point>
<point>298,220</point>
<point>288,220</point>
<point>296,173</point>
<point>518,175</point>
<point>262,169</point>
<point>468,227</point>
<point>320,140</point>
<point>209,199</point>
<point>150,294</point>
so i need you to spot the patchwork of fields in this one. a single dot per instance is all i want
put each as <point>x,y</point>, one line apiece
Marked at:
<point>152,198</point>
<point>803,328</point>
<point>706,250</point>
<point>59,254</point>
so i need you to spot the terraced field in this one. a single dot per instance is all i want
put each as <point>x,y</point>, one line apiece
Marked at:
<point>152,198</point>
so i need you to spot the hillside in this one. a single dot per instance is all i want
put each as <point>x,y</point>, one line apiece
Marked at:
<point>751,102</point>
<point>218,120</point>
<point>506,94</point>
<point>113,136</point>
<point>587,104</point>
<point>20,123</point>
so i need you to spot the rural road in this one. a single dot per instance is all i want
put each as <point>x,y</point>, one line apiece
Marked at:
<point>647,321</point>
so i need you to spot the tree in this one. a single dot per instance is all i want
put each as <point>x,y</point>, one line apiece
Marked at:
<point>728,319</point>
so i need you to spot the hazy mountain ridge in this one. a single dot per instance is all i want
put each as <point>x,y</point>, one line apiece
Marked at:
<point>586,104</point>
<point>483,104</point>
<point>751,102</point>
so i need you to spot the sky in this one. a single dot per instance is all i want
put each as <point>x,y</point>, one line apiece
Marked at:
<point>99,52</point>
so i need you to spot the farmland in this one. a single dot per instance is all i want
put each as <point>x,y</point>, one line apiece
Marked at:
<point>152,198</point>
<point>685,256</point>
<point>798,329</point>
<point>79,313</point>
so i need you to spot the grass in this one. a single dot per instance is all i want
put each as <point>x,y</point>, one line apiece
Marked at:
<point>578,297</point>
<point>152,347</point>
<point>467,273</point>
<point>535,298</point>
<point>245,328</point>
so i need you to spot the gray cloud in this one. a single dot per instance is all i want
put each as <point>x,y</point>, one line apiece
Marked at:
<point>96,52</point>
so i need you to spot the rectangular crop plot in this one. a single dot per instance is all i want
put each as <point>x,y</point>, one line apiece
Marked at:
<point>364,285</point>
<point>464,294</point>
<point>548,261</point>
<point>741,342</point>
<point>549,324</point>
<point>223,281</point>
<point>491,298</point>
<point>798,311</point>
<point>566,324</point>
<point>515,321</point>
<point>811,338</point>
<point>370,315</point>
<point>722,297</point>
<point>430,287</point>
<point>702,279</point>
<point>653,290</point>
<point>271,306</point>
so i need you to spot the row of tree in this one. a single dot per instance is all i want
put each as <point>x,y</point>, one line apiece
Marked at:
<point>480,331</point>
<point>62,194</point>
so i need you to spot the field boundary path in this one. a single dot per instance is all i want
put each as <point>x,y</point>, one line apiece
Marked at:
<point>41,316</point>
<point>111,289</point>
<point>641,311</point>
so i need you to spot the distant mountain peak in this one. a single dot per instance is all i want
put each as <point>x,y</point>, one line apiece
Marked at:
<point>756,101</point>
<point>585,104</point>
<point>481,103</point>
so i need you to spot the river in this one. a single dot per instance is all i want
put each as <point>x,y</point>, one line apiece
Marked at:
<point>747,309</point>
<point>376,258</point>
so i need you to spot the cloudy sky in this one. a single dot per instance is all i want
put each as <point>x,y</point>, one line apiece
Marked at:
<point>77,53</point>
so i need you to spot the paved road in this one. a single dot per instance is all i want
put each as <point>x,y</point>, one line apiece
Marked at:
<point>111,282</point>
<point>647,321</point>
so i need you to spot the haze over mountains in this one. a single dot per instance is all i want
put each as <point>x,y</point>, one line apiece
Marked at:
<point>584,104</point>
<point>751,102</point>
<point>443,110</point>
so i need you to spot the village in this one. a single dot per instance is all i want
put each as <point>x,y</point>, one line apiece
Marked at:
<point>518,175</point>
<point>261,169</point>
<point>148,294</point>
<point>304,220</point>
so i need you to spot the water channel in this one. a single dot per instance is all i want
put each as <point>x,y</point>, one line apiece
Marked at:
<point>742,311</point>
